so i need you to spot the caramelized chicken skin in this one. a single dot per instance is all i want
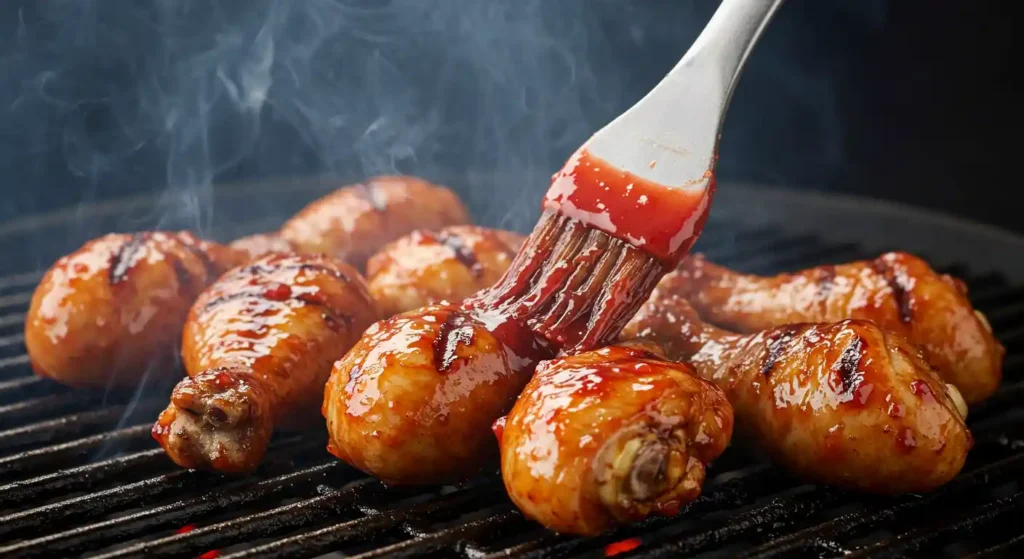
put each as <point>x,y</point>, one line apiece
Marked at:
<point>261,244</point>
<point>426,267</point>
<point>354,222</point>
<point>111,312</point>
<point>259,345</point>
<point>845,403</point>
<point>897,291</point>
<point>414,400</point>
<point>610,436</point>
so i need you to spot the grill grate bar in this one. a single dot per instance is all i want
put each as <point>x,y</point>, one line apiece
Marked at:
<point>741,488</point>
<point>915,540</point>
<point>73,451</point>
<point>1004,398</point>
<point>69,426</point>
<point>23,387</point>
<point>430,543</point>
<point>377,522</point>
<point>82,478</point>
<point>15,300</point>
<point>997,296</point>
<point>10,362</point>
<point>20,280</point>
<point>842,526</point>
<point>1011,548</point>
<point>12,319</point>
<point>273,521</point>
<point>95,536</point>
<point>14,340</point>
<point>43,406</point>
<point>1005,315</point>
<point>787,510</point>
<point>41,520</point>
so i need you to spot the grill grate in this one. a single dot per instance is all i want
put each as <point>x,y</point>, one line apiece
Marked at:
<point>80,474</point>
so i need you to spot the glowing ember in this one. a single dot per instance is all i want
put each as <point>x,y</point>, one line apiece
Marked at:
<point>212,554</point>
<point>623,546</point>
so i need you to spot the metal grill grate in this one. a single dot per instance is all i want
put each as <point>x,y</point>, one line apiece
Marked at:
<point>80,474</point>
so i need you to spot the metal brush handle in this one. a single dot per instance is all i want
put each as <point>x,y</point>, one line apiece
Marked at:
<point>678,123</point>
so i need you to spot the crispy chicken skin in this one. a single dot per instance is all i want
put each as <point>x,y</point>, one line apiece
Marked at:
<point>897,291</point>
<point>355,221</point>
<point>261,244</point>
<point>426,267</point>
<point>844,403</point>
<point>414,400</point>
<point>259,345</point>
<point>111,312</point>
<point>610,436</point>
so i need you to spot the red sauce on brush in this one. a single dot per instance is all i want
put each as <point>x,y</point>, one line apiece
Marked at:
<point>661,221</point>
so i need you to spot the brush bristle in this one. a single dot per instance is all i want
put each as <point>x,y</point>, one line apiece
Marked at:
<point>574,285</point>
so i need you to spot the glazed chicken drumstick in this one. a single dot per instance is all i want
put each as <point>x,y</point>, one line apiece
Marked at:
<point>897,291</point>
<point>111,312</point>
<point>355,221</point>
<point>414,400</point>
<point>258,346</point>
<point>426,267</point>
<point>845,403</point>
<point>610,436</point>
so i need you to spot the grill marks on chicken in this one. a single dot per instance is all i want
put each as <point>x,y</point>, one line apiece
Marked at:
<point>425,267</point>
<point>897,291</point>
<point>111,312</point>
<point>779,341</point>
<point>610,436</point>
<point>842,403</point>
<point>124,258</point>
<point>900,286</point>
<point>413,401</point>
<point>259,345</point>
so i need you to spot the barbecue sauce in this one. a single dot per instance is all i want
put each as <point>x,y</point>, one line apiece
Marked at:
<point>660,220</point>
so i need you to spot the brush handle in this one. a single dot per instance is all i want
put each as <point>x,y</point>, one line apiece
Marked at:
<point>723,46</point>
<point>670,137</point>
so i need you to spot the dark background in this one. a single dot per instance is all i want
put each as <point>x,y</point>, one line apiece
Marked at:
<point>909,100</point>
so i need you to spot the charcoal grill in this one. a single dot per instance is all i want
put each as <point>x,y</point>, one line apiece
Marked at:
<point>79,473</point>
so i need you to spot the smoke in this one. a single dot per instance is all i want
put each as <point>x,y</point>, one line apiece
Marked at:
<point>106,98</point>
<point>171,97</point>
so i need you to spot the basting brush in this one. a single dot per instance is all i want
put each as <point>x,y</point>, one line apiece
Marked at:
<point>630,202</point>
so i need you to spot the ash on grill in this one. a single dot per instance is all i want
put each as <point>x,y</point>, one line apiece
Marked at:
<point>79,474</point>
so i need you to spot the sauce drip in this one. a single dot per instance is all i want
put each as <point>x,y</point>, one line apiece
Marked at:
<point>456,330</point>
<point>661,221</point>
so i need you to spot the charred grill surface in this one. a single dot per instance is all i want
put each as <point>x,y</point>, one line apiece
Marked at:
<point>83,476</point>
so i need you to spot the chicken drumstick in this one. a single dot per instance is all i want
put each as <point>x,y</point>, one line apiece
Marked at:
<point>258,346</point>
<point>897,291</point>
<point>844,403</point>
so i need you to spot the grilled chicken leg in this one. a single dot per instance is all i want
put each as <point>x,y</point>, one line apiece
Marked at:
<point>414,400</point>
<point>897,291</point>
<point>610,436</point>
<point>844,403</point>
<point>262,244</point>
<point>111,312</point>
<point>426,267</point>
<point>354,222</point>
<point>258,346</point>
